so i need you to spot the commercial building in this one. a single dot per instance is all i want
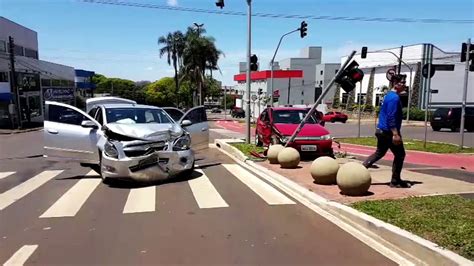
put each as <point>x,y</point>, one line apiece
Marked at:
<point>449,84</point>
<point>36,80</point>
<point>83,82</point>
<point>296,81</point>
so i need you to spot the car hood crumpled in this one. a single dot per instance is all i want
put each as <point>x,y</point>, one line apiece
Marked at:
<point>151,131</point>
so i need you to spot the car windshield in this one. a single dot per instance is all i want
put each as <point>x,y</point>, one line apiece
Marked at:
<point>137,116</point>
<point>291,117</point>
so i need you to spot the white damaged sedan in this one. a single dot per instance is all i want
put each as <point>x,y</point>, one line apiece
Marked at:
<point>122,140</point>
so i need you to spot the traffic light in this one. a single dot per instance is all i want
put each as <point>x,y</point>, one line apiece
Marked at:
<point>254,63</point>
<point>303,29</point>
<point>471,55</point>
<point>363,54</point>
<point>350,76</point>
<point>220,3</point>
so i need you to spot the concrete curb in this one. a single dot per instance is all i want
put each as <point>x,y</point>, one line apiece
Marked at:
<point>416,249</point>
<point>18,131</point>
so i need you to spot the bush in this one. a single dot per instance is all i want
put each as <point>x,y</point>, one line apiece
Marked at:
<point>416,114</point>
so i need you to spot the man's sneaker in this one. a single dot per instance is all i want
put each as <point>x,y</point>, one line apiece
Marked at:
<point>400,184</point>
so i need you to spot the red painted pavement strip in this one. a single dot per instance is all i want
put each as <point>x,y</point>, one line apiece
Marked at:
<point>454,161</point>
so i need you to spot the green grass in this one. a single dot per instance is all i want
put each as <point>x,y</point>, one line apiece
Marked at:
<point>410,144</point>
<point>445,220</point>
<point>247,148</point>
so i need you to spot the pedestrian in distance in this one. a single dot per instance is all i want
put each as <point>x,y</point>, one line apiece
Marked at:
<point>388,132</point>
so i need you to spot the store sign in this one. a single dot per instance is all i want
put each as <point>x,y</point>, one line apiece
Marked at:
<point>28,81</point>
<point>58,94</point>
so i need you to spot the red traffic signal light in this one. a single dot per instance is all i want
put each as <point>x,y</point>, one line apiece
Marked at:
<point>350,76</point>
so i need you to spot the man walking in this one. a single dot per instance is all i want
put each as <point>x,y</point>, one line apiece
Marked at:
<point>388,133</point>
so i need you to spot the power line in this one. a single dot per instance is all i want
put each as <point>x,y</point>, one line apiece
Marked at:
<point>282,16</point>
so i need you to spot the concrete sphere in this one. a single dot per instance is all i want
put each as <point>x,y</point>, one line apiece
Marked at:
<point>289,158</point>
<point>272,153</point>
<point>324,170</point>
<point>353,179</point>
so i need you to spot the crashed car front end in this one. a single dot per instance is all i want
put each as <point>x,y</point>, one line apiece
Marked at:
<point>164,154</point>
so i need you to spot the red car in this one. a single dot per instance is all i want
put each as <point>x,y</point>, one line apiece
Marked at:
<point>277,124</point>
<point>335,117</point>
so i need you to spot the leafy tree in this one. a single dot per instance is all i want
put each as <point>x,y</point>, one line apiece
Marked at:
<point>336,101</point>
<point>173,46</point>
<point>370,90</point>
<point>415,91</point>
<point>161,92</point>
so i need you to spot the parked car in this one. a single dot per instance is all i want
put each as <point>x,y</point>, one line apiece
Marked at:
<point>451,118</point>
<point>277,124</point>
<point>237,112</point>
<point>124,140</point>
<point>335,117</point>
<point>216,111</point>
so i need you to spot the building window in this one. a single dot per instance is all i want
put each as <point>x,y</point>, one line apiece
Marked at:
<point>3,76</point>
<point>361,97</point>
<point>45,82</point>
<point>320,82</point>
<point>302,101</point>
<point>18,50</point>
<point>321,72</point>
<point>31,53</point>
<point>56,82</point>
<point>3,46</point>
<point>302,92</point>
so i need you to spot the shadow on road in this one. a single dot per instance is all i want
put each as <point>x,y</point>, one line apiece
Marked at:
<point>412,183</point>
<point>128,184</point>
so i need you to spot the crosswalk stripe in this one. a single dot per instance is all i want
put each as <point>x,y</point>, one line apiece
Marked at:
<point>264,190</point>
<point>21,255</point>
<point>141,200</point>
<point>5,174</point>
<point>70,203</point>
<point>205,193</point>
<point>26,187</point>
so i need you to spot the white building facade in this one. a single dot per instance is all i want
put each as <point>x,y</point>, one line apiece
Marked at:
<point>448,83</point>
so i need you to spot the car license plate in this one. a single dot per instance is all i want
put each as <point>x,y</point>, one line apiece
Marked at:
<point>437,118</point>
<point>309,148</point>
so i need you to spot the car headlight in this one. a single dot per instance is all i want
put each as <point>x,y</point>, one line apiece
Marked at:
<point>182,143</point>
<point>110,150</point>
<point>326,137</point>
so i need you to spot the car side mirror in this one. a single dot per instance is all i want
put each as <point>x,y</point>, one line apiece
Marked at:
<point>186,123</point>
<point>89,124</point>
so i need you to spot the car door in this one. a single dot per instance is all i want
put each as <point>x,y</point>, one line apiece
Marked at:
<point>175,113</point>
<point>199,128</point>
<point>264,127</point>
<point>70,134</point>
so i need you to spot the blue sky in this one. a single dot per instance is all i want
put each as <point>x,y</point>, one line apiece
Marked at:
<point>122,41</point>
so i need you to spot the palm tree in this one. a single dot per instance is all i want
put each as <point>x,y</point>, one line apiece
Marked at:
<point>173,46</point>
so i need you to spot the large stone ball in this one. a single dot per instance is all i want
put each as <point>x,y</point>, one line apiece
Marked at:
<point>324,170</point>
<point>272,153</point>
<point>289,158</point>
<point>353,179</point>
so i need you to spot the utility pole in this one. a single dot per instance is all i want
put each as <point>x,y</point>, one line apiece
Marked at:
<point>13,85</point>
<point>464,94</point>
<point>289,90</point>
<point>225,103</point>
<point>428,90</point>
<point>359,101</point>
<point>249,49</point>
<point>400,60</point>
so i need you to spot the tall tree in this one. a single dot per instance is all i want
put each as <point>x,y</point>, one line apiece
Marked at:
<point>173,46</point>
<point>370,90</point>
<point>336,101</point>
<point>415,91</point>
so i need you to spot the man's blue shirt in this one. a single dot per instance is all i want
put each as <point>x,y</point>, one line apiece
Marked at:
<point>391,112</point>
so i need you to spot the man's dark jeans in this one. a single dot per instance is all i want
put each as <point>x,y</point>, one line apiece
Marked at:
<point>384,142</point>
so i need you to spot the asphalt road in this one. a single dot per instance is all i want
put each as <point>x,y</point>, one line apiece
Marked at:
<point>56,214</point>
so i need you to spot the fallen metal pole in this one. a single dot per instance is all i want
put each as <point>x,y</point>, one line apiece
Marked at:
<point>321,97</point>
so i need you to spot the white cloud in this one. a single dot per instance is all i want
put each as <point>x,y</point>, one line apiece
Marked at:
<point>172,2</point>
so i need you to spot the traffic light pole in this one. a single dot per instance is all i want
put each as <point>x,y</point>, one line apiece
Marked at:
<point>273,62</point>
<point>428,91</point>
<point>464,94</point>
<point>321,97</point>
<point>249,47</point>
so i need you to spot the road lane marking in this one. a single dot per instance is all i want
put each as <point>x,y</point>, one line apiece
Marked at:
<point>70,203</point>
<point>141,200</point>
<point>5,174</point>
<point>264,190</point>
<point>21,255</point>
<point>205,193</point>
<point>23,189</point>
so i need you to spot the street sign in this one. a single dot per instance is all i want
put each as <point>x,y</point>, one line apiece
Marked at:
<point>254,97</point>
<point>434,91</point>
<point>436,67</point>
<point>390,73</point>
